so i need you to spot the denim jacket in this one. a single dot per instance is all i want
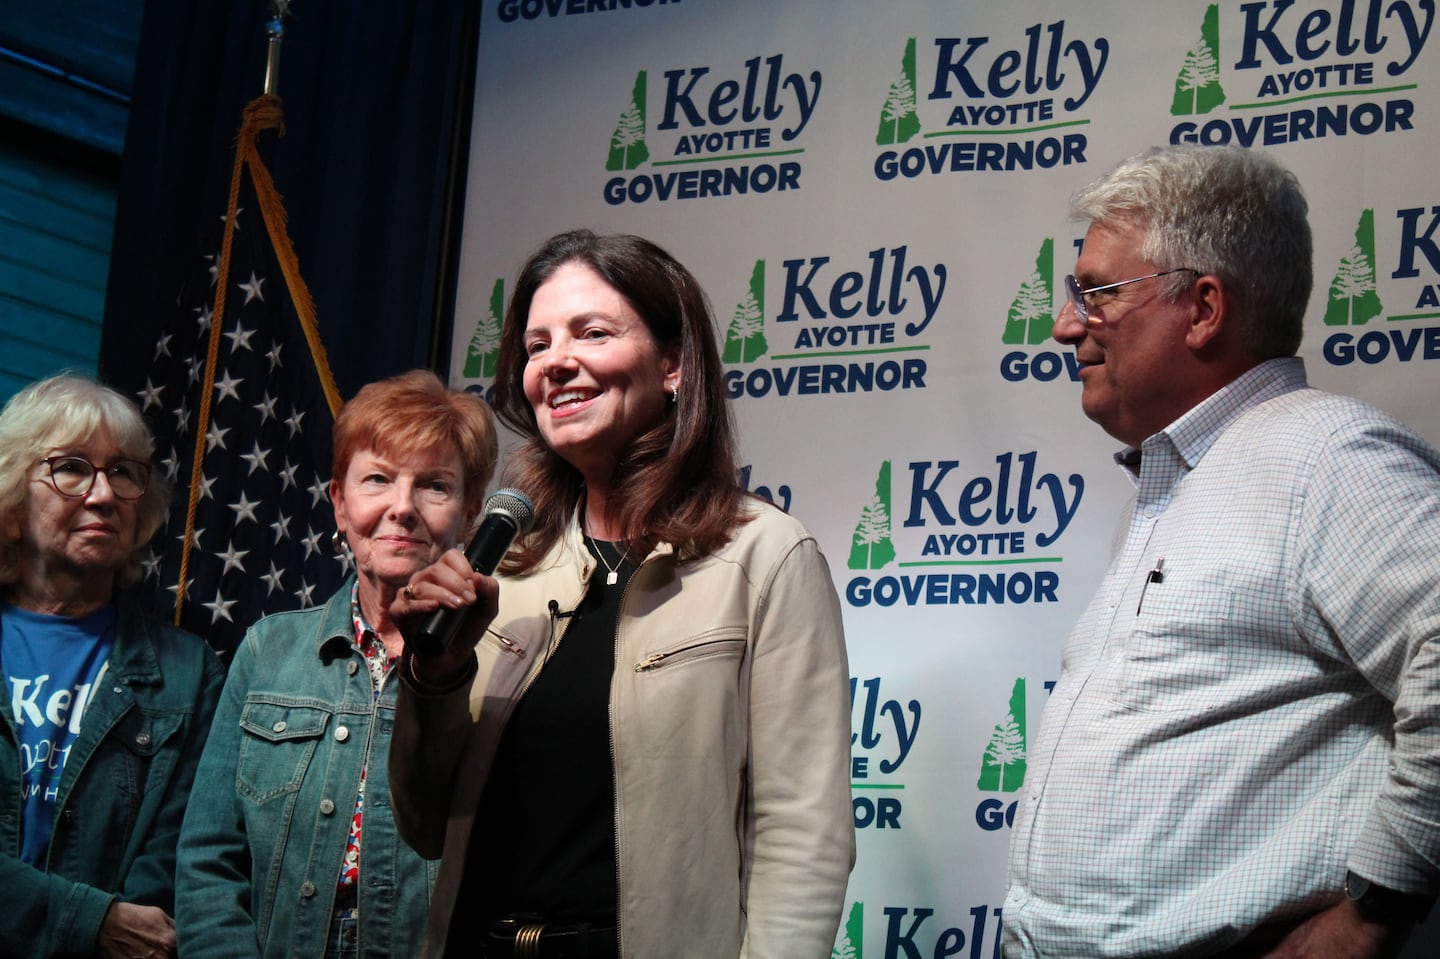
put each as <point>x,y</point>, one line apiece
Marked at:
<point>267,828</point>
<point>122,796</point>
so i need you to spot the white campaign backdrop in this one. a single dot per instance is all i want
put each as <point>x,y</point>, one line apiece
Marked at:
<point>979,433</point>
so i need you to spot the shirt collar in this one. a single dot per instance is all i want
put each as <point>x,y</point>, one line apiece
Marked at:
<point>1192,434</point>
<point>364,632</point>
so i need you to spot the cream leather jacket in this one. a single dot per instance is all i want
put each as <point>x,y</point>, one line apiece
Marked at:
<point>730,714</point>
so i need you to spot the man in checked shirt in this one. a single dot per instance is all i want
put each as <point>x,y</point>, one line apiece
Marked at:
<point>1242,755</point>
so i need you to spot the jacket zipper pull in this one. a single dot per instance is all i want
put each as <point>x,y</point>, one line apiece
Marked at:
<point>650,662</point>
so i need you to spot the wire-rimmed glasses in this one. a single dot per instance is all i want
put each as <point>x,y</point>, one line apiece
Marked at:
<point>1077,295</point>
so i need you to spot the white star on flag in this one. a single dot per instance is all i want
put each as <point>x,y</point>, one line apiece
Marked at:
<point>312,543</point>
<point>220,608</point>
<point>216,436</point>
<point>256,457</point>
<point>231,557</point>
<point>245,509</point>
<point>226,388</point>
<point>252,288</point>
<point>266,406</point>
<point>239,339</point>
<point>149,396</point>
<point>271,579</point>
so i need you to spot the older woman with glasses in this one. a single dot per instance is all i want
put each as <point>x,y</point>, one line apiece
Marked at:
<point>103,710</point>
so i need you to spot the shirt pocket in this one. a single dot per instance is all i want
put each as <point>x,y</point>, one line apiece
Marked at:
<point>146,752</point>
<point>135,762</point>
<point>278,740</point>
<point>690,695</point>
<point>727,643</point>
<point>1180,653</point>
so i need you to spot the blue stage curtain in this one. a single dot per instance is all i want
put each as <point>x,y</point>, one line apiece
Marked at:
<point>377,98</point>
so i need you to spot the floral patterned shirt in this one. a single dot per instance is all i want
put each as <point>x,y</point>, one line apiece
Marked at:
<point>372,647</point>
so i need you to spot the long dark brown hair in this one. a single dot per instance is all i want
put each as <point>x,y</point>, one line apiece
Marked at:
<point>677,482</point>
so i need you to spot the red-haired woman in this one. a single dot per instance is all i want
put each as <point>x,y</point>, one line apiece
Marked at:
<point>289,847</point>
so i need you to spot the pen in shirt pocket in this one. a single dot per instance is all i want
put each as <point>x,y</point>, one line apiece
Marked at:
<point>1156,575</point>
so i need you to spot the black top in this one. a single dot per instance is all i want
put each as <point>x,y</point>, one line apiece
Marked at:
<point>543,843</point>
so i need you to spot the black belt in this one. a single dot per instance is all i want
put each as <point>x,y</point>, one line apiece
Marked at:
<point>525,939</point>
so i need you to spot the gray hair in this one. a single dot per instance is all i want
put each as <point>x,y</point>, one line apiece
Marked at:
<point>66,410</point>
<point>1228,211</point>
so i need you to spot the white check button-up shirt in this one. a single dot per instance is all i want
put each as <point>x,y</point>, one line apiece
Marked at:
<point>1218,752</point>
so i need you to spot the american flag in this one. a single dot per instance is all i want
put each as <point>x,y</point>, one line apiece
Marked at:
<point>261,533</point>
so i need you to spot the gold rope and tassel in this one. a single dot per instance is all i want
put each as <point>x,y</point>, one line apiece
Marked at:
<point>262,113</point>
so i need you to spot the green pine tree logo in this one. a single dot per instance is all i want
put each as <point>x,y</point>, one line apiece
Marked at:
<point>627,143</point>
<point>484,349</point>
<point>1002,768</point>
<point>745,336</point>
<point>1353,297</point>
<point>898,119</point>
<point>871,548</point>
<point>1032,313</point>
<point>1197,86</point>
<point>852,936</point>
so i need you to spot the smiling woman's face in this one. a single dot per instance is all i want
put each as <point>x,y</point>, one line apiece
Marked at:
<point>594,375</point>
<point>398,514</point>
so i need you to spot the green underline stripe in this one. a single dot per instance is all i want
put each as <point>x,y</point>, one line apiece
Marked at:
<point>1365,91</point>
<point>873,786</point>
<point>1016,131</point>
<point>1413,316</point>
<point>811,356</point>
<point>983,562</point>
<point>729,157</point>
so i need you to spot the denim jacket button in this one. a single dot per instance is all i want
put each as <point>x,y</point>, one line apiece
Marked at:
<point>279,726</point>
<point>142,739</point>
<point>327,807</point>
<point>342,733</point>
<point>352,667</point>
<point>307,889</point>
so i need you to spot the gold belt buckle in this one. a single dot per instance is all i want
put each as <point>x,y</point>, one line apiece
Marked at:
<point>527,940</point>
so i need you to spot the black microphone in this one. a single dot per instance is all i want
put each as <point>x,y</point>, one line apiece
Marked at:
<point>508,513</point>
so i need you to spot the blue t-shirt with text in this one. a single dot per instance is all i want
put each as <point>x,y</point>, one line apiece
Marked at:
<point>50,666</point>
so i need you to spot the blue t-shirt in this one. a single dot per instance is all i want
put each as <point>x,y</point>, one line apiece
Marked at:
<point>50,666</point>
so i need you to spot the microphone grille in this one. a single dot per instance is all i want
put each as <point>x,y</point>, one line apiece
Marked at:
<point>514,504</point>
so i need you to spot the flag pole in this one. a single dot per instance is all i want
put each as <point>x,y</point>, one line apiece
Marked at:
<point>275,35</point>
<point>261,114</point>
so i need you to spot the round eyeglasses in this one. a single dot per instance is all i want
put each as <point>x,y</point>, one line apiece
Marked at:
<point>1077,295</point>
<point>74,476</point>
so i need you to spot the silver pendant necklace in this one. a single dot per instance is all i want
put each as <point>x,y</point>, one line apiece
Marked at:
<point>613,576</point>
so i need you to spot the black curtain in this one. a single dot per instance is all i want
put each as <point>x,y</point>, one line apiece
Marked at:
<point>377,99</point>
